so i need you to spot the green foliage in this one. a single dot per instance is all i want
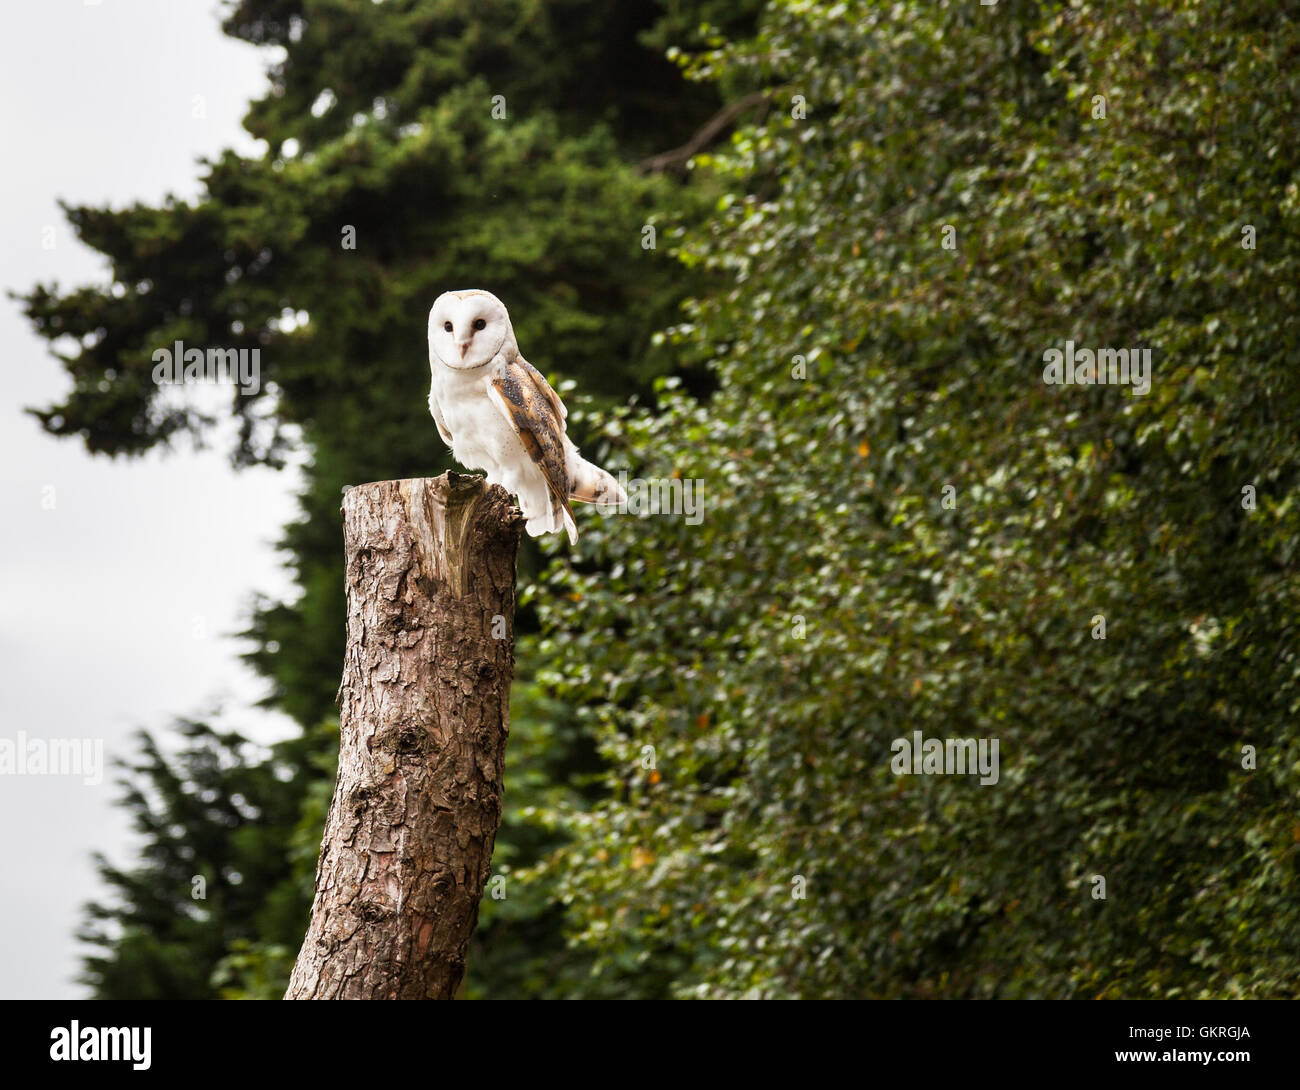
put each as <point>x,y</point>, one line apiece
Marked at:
<point>824,505</point>
<point>214,817</point>
<point>518,948</point>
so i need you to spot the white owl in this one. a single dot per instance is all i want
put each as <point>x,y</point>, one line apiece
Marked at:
<point>497,413</point>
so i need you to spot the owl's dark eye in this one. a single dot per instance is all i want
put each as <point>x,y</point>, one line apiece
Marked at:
<point>446,326</point>
<point>479,323</point>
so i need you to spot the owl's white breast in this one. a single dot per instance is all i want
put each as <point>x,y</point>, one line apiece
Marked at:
<point>481,436</point>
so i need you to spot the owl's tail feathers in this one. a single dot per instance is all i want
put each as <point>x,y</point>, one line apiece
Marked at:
<point>590,484</point>
<point>570,527</point>
<point>556,519</point>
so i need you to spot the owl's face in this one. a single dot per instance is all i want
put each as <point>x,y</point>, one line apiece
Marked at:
<point>467,328</point>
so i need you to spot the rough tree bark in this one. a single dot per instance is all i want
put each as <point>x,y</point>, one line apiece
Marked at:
<point>423,723</point>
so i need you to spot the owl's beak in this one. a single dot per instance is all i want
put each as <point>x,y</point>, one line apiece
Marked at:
<point>463,349</point>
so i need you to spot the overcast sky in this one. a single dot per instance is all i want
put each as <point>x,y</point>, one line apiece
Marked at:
<point>117,604</point>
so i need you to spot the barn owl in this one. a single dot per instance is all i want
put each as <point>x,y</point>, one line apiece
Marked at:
<point>497,413</point>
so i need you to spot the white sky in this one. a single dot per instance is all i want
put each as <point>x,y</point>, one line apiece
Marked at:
<point>101,597</point>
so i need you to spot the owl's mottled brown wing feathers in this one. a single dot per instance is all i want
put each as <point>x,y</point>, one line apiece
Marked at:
<point>538,380</point>
<point>537,416</point>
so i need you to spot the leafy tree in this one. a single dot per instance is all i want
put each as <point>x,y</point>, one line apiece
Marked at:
<point>219,821</point>
<point>747,676</point>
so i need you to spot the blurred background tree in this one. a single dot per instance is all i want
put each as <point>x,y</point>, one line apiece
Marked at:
<point>703,725</point>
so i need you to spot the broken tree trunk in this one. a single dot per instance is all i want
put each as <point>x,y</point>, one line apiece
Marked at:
<point>423,718</point>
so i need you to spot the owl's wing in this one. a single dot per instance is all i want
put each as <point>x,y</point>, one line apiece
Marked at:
<point>537,416</point>
<point>561,412</point>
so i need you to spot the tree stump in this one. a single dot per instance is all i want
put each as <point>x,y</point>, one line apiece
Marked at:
<point>424,714</point>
